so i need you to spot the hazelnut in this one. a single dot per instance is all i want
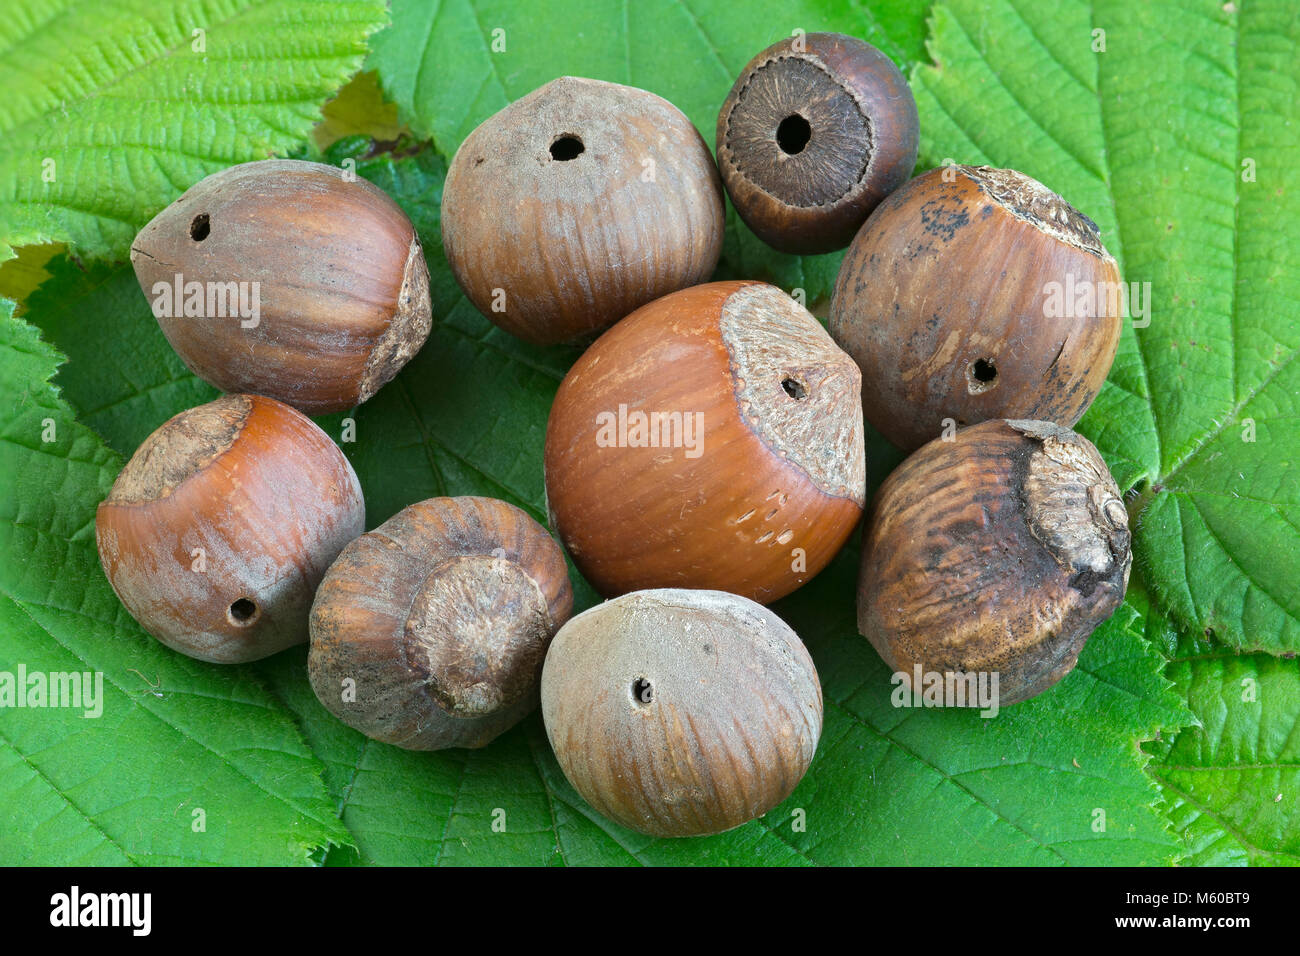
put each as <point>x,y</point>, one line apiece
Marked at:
<point>223,522</point>
<point>958,300</point>
<point>681,713</point>
<point>818,129</point>
<point>998,551</point>
<point>712,439</point>
<point>284,278</point>
<point>577,204</point>
<point>430,631</point>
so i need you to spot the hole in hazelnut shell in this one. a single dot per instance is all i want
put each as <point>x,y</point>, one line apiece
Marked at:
<point>242,613</point>
<point>981,375</point>
<point>792,134</point>
<point>643,691</point>
<point>566,148</point>
<point>795,389</point>
<point>199,228</point>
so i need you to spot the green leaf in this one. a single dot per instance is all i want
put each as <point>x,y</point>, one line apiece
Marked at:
<point>1230,780</point>
<point>1232,783</point>
<point>185,762</point>
<point>468,416</point>
<point>449,66</point>
<point>111,109</point>
<point>1194,183</point>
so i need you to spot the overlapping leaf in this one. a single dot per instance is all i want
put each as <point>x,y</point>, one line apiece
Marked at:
<point>110,109</point>
<point>1230,781</point>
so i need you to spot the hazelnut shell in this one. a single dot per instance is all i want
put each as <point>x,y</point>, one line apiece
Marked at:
<point>944,301</point>
<point>817,130</point>
<point>223,522</point>
<point>577,204</point>
<point>681,713</point>
<point>757,496</point>
<point>342,289</point>
<point>998,551</point>
<point>440,619</point>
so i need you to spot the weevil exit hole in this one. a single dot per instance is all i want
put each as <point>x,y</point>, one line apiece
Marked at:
<point>794,388</point>
<point>199,228</point>
<point>242,613</point>
<point>643,691</point>
<point>566,148</point>
<point>981,375</point>
<point>792,134</point>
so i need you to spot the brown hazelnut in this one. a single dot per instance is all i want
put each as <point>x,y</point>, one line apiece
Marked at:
<point>430,631</point>
<point>998,551</point>
<point>818,129</point>
<point>221,525</point>
<point>288,279</point>
<point>577,204</point>
<point>681,713</point>
<point>958,300</point>
<point>712,439</point>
